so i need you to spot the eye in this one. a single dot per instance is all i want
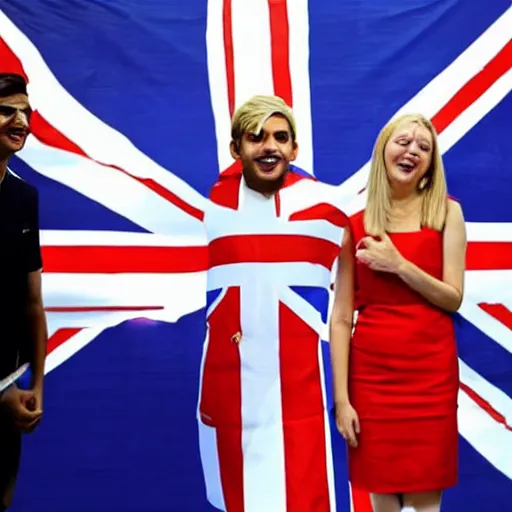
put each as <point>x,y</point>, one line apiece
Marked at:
<point>402,142</point>
<point>252,137</point>
<point>7,111</point>
<point>282,137</point>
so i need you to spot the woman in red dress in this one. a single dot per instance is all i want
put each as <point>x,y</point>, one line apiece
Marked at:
<point>396,373</point>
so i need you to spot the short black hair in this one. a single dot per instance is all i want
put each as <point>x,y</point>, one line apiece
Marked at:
<point>12,83</point>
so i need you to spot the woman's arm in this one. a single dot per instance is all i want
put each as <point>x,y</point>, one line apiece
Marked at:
<point>446,294</point>
<point>341,322</point>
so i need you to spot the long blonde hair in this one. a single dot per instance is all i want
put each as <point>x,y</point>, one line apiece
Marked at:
<point>253,114</point>
<point>434,204</point>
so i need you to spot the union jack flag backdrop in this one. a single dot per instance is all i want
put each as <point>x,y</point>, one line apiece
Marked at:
<point>133,102</point>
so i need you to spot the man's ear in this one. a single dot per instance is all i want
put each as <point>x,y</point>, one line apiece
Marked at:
<point>295,151</point>
<point>233,149</point>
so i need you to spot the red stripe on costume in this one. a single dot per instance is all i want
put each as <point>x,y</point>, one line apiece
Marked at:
<point>279,35</point>
<point>361,501</point>
<point>489,256</point>
<point>322,211</point>
<point>269,249</point>
<point>60,337</point>
<point>473,89</point>
<point>498,311</point>
<point>227,22</point>
<point>221,396</point>
<point>305,453</point>
<point>123,259</point>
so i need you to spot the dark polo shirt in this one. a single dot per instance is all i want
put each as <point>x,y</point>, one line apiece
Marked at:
<point>20,253</point>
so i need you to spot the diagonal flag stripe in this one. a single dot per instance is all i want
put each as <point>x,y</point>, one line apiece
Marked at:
<point>472,90</point>
<point>498,311</point>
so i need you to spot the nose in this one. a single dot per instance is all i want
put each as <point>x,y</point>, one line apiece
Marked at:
<point>270,145</point>
<point>21,119</point>
<point>413,149</point>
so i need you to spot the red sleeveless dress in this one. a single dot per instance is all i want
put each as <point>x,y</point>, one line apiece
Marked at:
<point>403,376</point>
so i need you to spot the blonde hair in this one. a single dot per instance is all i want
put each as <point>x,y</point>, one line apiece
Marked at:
<point>254,113</point>
<point>434,205</point>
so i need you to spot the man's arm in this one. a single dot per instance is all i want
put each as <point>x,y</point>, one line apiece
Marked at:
<point>37,320</point>
<point>35,309</point>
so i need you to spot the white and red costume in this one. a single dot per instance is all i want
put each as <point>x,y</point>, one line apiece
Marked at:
<point>263,424</point>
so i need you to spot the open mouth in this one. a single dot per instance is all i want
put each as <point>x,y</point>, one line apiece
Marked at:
<point>268,163</point>
<point>16,135</point>
<point>406,167</point>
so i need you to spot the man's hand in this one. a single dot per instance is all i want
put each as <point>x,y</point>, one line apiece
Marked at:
<point>34,398</point>
<point>23,408</point>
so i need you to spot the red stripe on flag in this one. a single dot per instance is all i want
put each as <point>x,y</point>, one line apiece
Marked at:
<point>50,136</point>
<point>361,501</point>
<point>473,89</point>
<point>10,63</point>
<point>227,21</point>
<point>269,249</point>
<point>498,311</point>
<point>489,256</point>
<point>221,396</point>
<point>486,406</point>
<point>60,337</point>
<point>305,453</point>
<point>122,259</point>
<point>167,195</point>
<point>279,34</point>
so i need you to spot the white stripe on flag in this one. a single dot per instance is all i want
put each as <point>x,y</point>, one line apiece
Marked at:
<point>218,81</point>
<point>298,21</point>
<point>476,111</point>
<point>67,238</point>
<point>489,231</point>
<point>491,286</point>
<point>252,49</point>
<point>180,294</point>
<point>491,439</point>
<point>110,187</point>
<point>496,398</point>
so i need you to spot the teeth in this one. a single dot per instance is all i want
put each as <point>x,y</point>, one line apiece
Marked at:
<point>269,160</point>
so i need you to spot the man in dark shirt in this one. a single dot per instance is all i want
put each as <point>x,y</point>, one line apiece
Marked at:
<point>23,332</point>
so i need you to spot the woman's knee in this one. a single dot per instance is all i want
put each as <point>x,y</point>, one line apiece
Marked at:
<point>422,502</point>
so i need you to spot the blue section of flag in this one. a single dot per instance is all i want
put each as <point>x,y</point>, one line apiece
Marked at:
<point>316,296</point>
<point>478,168</point>
<point>119,431</point>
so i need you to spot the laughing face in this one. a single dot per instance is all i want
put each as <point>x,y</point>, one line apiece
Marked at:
<point>408,155</point>
<point>15,115</point>
<point>266,156</point>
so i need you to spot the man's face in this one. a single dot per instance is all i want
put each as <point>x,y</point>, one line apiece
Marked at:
<point>15,115</point>
<point>266,156</point>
